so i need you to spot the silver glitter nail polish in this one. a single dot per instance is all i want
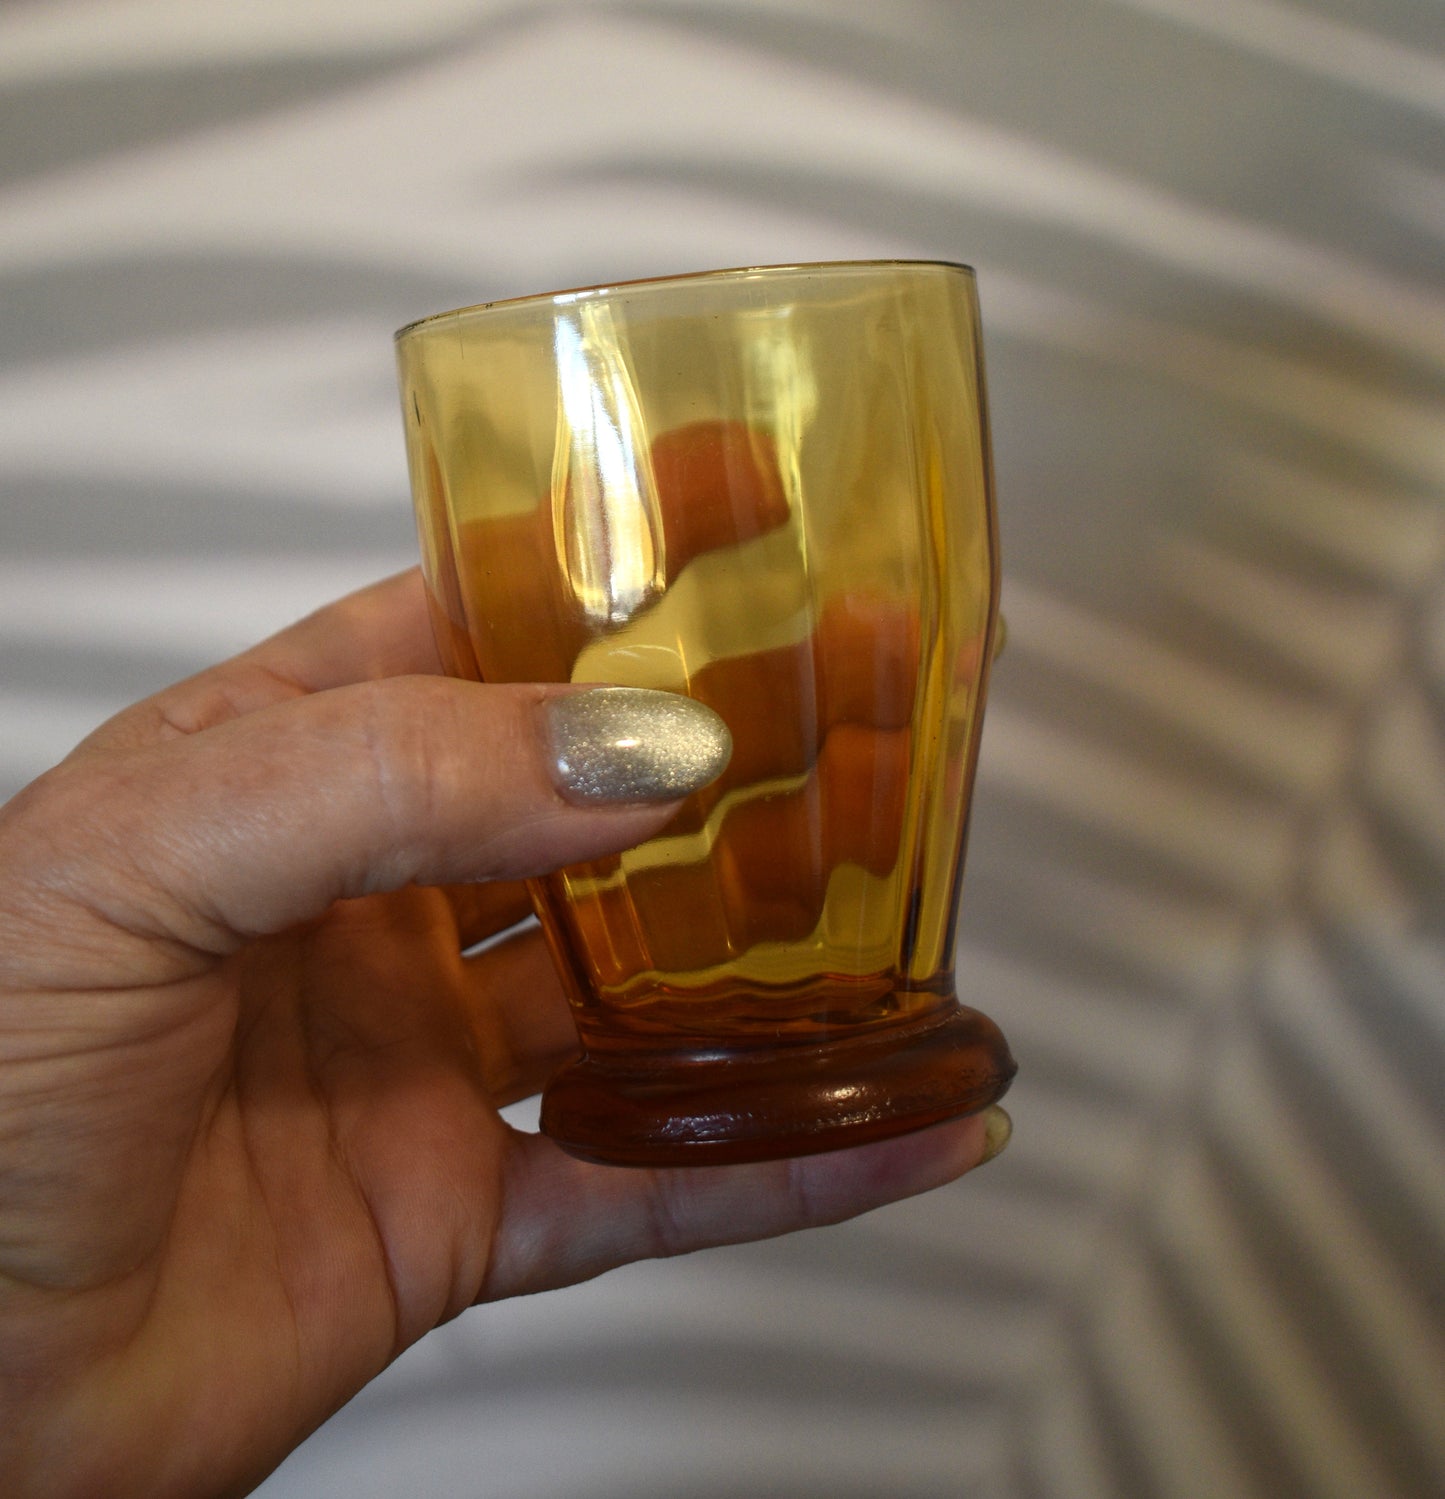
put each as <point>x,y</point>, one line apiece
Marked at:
<point>633,744</point>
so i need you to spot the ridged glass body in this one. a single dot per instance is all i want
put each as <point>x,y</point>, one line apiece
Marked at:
<point>770,490</point>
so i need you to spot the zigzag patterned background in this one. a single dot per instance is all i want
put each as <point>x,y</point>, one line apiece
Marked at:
<point>1210,825</point>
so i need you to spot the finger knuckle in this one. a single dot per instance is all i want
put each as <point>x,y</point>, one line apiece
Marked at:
<point>412,746</point>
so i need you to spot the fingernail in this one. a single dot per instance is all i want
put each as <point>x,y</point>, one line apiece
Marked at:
<point>997,1128</point>
<point>1000,637</point>
<point>633,744</point>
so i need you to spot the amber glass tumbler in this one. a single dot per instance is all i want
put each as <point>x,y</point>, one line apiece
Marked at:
<point>768,489</point>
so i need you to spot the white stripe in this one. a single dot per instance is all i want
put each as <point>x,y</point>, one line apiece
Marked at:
<point>596,87</point>
<point>932,1332</point>
<point>1383,1311</point>
<point>659,1439</point>
<point>38,730</point>
<point>115,36</point>
<point>1299,743</point>
<point>305,413</point>
<point>1405,765</point>
<point>1279,1374</point>
<point>1122,1042</point>
<point>999,1224</point>
<point>1400,433</point>
<point>1303,992</point>
<point>1169,1421</point>
<point>1180,941</point>
<point>1351,876</point>
<point>1354,645</point>
<point>193,608</point>
<point>1244,845</point>
<point>1069,1447</point>
<point>1291,35</point>
<point>1395,538</point>
<point>1412,193</point>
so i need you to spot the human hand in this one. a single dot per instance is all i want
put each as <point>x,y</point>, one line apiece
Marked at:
<point>249,1139</point>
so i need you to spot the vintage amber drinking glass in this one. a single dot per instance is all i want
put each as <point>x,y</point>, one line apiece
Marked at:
<point>768,489</point>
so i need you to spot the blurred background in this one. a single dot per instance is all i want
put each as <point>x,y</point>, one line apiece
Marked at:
<point>1209,837</point>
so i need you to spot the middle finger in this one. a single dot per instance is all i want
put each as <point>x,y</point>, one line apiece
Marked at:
<point>519,1015</point>
<point>486,909</point>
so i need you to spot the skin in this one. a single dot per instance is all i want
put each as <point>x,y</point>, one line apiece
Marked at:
<point>249,1139</point>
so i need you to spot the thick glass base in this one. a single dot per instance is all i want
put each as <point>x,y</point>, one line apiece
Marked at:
<point>667,1110</point>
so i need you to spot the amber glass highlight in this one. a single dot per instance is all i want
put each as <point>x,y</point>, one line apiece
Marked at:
<point>770,490</point>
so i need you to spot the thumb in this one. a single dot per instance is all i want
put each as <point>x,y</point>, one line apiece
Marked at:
<point>263,821</point>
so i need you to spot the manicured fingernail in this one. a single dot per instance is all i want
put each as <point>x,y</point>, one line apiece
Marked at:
<point>633,744</point>
<point>1000,637</point>
<point>997,1128</point>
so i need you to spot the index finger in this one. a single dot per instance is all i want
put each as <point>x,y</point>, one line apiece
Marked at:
<point>383,630</point>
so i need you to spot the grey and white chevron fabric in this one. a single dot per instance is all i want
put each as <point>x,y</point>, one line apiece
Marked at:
<point>1203,890</point>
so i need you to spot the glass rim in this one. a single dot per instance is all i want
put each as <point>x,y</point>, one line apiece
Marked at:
<point>603,288</point>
